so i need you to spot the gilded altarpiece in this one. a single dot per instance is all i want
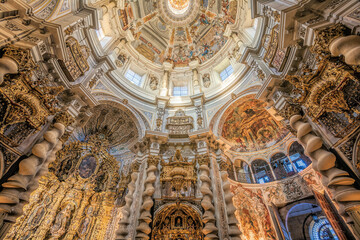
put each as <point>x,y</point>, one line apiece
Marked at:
<point>177,216</point>
<point>75,199</point>
<point>328,89</point>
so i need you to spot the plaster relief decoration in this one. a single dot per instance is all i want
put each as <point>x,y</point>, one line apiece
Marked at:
<point>120,61</point>
<point>252,213</point>
<point>206,80</point>
<point>247,126</point>
<point>154,83</point>
<point>76,65</point>
<point>179,125</point>
<point>117,125</point>
<point>286,191</point>
<point>274,55</point>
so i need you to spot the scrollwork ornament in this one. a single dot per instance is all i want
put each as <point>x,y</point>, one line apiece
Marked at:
<point>324,37</point>
<point>289,110</point>
<point>21,56</point>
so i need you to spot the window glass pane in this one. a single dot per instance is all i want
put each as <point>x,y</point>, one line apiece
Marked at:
<point>226,72</point>
<point>180,91</point>
<point>133,77</point>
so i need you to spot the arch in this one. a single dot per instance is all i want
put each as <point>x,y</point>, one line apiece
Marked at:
<point>298,157</point>
<point>302,218</point>
<point>261,170</point>
<point>281,166</point>
<point>242,171</point>
<point>231,170</point>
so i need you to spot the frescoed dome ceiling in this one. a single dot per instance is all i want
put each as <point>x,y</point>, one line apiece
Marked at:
<point>247,126</point>
<point>178,31</point>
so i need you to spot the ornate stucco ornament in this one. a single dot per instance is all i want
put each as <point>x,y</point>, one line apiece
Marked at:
<point>179,125</point>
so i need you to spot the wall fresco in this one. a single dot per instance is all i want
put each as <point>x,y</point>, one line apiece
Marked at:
<point>249,127</point>
<point>252,213</point>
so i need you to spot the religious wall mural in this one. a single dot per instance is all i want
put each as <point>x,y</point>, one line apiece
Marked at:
<point>252,213</point>
<point>247,126</point>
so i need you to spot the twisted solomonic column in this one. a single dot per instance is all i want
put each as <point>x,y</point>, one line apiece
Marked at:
<point>122,232</point>
<point>143,230</point>
<point>234,231</point>
<point>347,46</point>
<point>323,161</point>
<point>17,189</point>
<point>210,230</point>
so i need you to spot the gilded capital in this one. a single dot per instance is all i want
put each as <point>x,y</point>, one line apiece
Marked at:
<point>64,117</point>
<point>203,159</point>
<point>153,160</point>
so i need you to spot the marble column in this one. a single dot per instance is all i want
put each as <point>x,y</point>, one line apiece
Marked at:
<point>143,229</point>
<point>234,231</point>
<point>210,230</point>
<point>122,232</point>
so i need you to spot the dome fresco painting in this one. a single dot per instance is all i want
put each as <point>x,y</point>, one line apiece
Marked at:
<point>200,36</point>
<point>179,119</point>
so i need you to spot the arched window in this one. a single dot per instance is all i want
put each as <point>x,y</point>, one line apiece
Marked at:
<point>320,228</point>
<point>262,172</point>
<point>243,172</point>
<point>297,156</point>
<point>281,165</point>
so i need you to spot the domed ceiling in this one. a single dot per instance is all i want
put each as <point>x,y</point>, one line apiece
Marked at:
<point>178,31</point>
<point>248,127</point>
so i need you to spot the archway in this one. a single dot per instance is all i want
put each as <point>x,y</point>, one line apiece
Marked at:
<point>281,166</point>
<point>313,222</point>
<point>177,222</point>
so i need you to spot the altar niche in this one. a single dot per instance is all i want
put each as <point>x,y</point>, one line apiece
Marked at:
<point>177,222</point>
